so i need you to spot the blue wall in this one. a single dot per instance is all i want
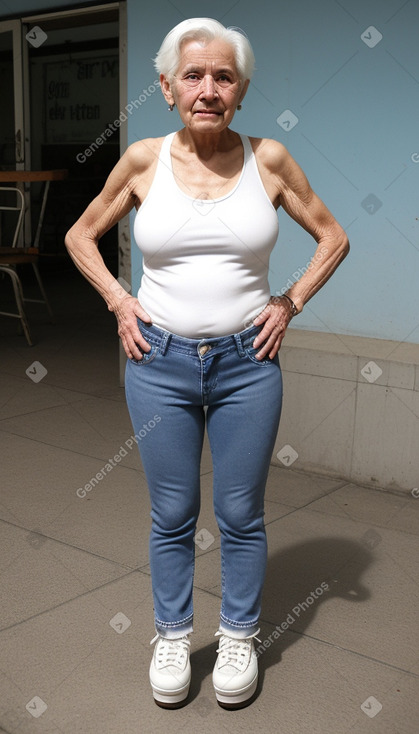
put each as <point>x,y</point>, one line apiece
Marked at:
<point>357,130</point>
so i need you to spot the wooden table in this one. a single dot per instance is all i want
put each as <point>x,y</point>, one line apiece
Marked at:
<point>33,176</point>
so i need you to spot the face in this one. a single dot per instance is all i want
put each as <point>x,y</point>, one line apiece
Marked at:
<point>206,88</point>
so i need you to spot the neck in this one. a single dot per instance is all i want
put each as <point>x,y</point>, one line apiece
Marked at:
<point>205,145</point>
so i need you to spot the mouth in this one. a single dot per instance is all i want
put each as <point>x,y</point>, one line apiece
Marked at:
<point>207,113</point>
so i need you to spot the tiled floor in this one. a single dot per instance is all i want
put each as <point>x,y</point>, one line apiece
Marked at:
<point>76,616</point>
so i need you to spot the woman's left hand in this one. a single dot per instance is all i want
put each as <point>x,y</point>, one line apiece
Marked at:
<point>275,316</point>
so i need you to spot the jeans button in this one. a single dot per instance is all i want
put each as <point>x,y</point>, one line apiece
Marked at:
<point>204,349</point>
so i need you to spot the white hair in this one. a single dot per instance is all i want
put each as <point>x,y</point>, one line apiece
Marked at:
<point>207,29</point>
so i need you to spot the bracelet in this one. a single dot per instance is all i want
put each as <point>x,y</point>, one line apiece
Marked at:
<point>294,309</point>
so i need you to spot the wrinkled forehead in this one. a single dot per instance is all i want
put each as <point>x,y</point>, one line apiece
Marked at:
<point>207,55</point>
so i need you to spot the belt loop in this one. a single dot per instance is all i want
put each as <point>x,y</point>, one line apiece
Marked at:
<point>165,339</point>
<point>239,344</point>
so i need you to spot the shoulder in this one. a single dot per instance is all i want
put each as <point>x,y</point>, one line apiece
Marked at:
<point>280,167</point>
<point>136,164</point>
<point>142,154</point>
<point>271,154</point>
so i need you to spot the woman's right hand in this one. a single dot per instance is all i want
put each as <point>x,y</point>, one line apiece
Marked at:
<point>127,310</point>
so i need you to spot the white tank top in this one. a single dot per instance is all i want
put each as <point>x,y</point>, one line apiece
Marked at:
<point>205,261</point>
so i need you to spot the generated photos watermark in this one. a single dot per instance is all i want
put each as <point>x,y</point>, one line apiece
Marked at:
<point>371,707</point>
<point>120,622</point>
<point>292,617</point>
<point>111,463</point>
<point>296,275</point>
<point>36,36</point>
<point>36,371</point>
<point>112,127</point>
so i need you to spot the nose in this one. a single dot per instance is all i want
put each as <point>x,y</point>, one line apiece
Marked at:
<point>208,87</point>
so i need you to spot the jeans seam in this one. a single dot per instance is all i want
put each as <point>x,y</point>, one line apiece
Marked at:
<point>174,624</point>
<point>142,362</point>
<point>241,625</point>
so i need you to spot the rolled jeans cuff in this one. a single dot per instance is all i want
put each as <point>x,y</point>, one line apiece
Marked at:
<point>174,630</point>
<point>239,631</point>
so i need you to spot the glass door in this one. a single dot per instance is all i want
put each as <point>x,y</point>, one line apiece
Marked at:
<point>12,136</point>
<point>14,149</point>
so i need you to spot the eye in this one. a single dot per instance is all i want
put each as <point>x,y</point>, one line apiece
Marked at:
<point>224,80</point>
<point>192,76</point>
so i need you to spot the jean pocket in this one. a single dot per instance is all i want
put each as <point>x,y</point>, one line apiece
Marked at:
<point>147,357</point>
<point>251,353</point>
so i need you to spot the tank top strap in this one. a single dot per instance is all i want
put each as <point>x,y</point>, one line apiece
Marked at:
<point>247,147</point>
<point>163,176</point>
<point>164,155</point>
<point>252,180</point>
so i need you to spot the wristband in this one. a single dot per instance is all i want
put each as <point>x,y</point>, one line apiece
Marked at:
<point>294,309</point>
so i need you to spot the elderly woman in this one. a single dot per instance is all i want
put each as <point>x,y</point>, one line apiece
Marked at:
<point>203,335</point>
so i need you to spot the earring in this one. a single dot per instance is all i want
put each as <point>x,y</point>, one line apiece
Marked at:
<point>171,108</point>
<point>239,106</point>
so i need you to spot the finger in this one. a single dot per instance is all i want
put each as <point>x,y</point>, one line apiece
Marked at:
<point>131,330</point>
<point>137,340</point>
<point>130,347</point>
<point>138,344</point>
<point>277,346</point>
<point>266,343</point>
<point>139,312</point>
<point>134,352</point>
<point>133,340</point>
<point>129,352</point>
<point>260,318</point>
<point>277,324</point>
<point>272,342</point>
<point>269,349</point>
<point>143,315</point>
<point>266,332</point>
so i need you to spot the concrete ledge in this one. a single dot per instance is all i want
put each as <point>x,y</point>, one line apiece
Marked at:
<point>351,408</point>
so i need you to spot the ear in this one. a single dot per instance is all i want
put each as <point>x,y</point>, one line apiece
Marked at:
<point>244,90</point>
<point>166,89</point>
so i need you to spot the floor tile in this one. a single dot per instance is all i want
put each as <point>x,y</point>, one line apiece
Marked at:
<point>295,488</point>
<point>91,426</point>
<point>333,578</point>
<point>75,499</point>
<point>310,687</point>
<point>375,507</point>
<point>38,574</point>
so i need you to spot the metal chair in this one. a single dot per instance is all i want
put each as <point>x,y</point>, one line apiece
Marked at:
<point>13,255</point>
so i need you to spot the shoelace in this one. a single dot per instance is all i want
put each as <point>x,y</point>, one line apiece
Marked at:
<point>171,652</point>
<point>235,651</point>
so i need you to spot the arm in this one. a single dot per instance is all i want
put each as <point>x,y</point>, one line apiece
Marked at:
<point>115,201</point>
<point>298,199</point>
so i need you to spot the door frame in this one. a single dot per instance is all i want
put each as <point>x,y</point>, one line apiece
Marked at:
<point>22,107</point>
<point>14,26</point>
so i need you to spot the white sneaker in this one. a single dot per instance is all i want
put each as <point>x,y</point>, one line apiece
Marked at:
<point>235,673</point>
<point>170,671</point>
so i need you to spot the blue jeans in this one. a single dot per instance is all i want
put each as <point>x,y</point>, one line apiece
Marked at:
<point>166,393</point>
